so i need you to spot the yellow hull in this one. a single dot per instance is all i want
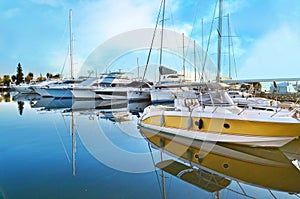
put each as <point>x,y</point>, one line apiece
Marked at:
<point>226,126</point>
<point>264,168</point>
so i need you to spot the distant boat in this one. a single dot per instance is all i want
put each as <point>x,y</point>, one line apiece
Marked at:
<point>59,89</point>
<point>165,91</point>
<point>118,87</point>
<point>30,88</point>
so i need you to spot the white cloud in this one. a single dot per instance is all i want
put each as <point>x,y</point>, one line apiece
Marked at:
<point>52,3</point>
<point>274,55</point>
<point>234,6</point>
<point>10,13</point>
<point>95,22</point>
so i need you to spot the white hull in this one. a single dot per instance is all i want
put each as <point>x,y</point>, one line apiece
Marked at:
<point>84,93</point>
<point>138,95</point>
<point>60,93</point>
<point>115,93</point>
<point>41,91</point>
<point>23,89</point>
<point>162,96</point>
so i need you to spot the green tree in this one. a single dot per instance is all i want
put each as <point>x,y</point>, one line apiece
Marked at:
<point>20,75</point>
<point>57,76</point>
<point>13,78</point>
<point>20,107</point>
<point>29,77</point>
<point>49,75</point>
<point>6,80</point>
<point>40,78</point>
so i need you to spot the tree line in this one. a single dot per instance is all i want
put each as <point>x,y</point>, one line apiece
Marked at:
<point>19,78</point>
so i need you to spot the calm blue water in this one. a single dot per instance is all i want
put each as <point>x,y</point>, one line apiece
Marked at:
<point>102,156</point>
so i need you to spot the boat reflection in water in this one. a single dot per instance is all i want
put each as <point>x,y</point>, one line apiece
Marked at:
<point>203,163</point>
<point>108,131</point>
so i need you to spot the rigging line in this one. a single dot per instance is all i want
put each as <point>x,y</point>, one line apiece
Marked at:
<point>272,194</point>
<point>194,24</point>
<point>169,186</point>
<point>241,188</point>
<point>232,44</point>
<point>156,174</point>
<point>152,41</point>
<point>64,121</point>
<point>178,43</point>
<point>174,28</point>
<point>208,42</point>
<point>242,194</point>
<point>162,38</point>
<point>233,55</point>
<point>61,141</point>
<point>63,68</point>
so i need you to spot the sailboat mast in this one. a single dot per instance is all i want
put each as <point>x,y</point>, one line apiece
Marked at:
<point>229,44</point>
<point>73,134</point>
<point>71,44</point>
<point>183,55</point>
<point>162,38</point>
<point>219,40</point>
<point>195,62</point>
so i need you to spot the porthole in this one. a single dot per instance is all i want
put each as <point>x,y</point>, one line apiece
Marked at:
<point>225,166</point>
<point>226,126</point>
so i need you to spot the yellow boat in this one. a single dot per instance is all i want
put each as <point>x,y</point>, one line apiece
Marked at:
<point>268,168</point>
<point>201,178</point>
<point>222,121</point>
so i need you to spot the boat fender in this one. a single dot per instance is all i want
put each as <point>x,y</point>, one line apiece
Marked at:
<point>189,123</point>
<point>199,157</point>
<point>199,123</point>
<point>162,119</point>
<point>161,143</point>
<point>189,155</point>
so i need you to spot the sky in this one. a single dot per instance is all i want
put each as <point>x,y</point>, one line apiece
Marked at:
<point>265,34</point>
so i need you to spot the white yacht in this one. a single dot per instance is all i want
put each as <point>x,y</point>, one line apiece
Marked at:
<point>113,86</point>
<point>30,88</point>
<point>59,90</point>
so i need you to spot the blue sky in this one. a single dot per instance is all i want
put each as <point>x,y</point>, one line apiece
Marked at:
<point>35,32</point>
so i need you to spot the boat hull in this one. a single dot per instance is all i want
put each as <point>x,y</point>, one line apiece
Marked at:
<point>112,93</point>
<point>84,93</point>
<point>138,95</point>
<point>217,129</point>
<point>162,96</point>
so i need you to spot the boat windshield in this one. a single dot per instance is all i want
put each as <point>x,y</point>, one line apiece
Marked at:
<point>216,98</point>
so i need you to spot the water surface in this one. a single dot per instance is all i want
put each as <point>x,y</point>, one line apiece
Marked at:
<point>56,152</point>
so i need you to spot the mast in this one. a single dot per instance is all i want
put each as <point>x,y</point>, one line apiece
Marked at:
<point>73,135</point>
<point>71,44</point>
<point>183,55</point>
<point>229,43</point>
<point>219,40</point>
<point>195,63</point>
<point>202,51</point>
<point>162,38</point>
